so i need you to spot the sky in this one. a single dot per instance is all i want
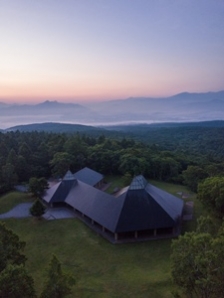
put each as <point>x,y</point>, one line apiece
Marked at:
<point>95,50</point>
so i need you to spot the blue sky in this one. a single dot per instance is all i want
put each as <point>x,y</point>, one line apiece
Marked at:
<point>83,50</point>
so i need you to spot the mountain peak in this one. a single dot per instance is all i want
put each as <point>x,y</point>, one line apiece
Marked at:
<point>48,103</point>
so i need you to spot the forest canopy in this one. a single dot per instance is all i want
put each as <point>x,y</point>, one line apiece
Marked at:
<point>179,154</point>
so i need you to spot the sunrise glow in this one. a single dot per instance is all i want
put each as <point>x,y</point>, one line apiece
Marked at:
<point>100,50</point>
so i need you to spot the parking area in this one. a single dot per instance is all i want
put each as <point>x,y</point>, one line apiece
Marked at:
<point>23,211</point>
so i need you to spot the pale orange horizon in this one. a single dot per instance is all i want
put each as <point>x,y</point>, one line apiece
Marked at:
<point>84,51</point>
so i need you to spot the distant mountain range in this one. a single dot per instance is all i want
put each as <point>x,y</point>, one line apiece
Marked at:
<point>183,107</point>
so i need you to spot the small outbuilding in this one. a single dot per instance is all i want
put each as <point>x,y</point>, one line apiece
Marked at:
<point>87,176</point>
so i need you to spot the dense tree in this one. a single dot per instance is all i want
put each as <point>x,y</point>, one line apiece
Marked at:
<point>133,163</point>
<point>213,170</point>
<point>58,283</point>
<point>164,153</point>
<point>205,224</point>
<point>3,148</point>
<point>8,176</point>
<point>15,282</point>
<point>12,158</point>
<point>22,169</point>
<point>11,248</point>
<point>41,160</point>
<point>211,193</point>
<point>192,176</point>
<point>37,209</point>
<point>75,145</point>
<point>55,144</point>
<point>101,139</point>
<point>126,179</point>
<point>196,264</point>
<point>60,163</point>
<point>37,186</point>
<point>80,161</point>
<point>25,151</point>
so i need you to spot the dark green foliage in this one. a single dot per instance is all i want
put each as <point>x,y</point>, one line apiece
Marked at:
<point>15,282</point>
<point>12,157</point>
<point>192,176</point>
<point>205,224</point>
<point>126,179</point>
<point>161,152</point>
<point>37,186</point>
<point>60,163</point>
<point>37,209</point>
<point>197,265</point>
<point>58,283</point>
<point>133,163</point>
<point>211,193</point>
<point>9,176</point>
<point>197,139</point>
<point>22,169</point>
<point>25,151</point>
<point>11,248</point>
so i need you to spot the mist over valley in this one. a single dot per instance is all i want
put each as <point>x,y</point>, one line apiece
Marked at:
<point>183,107</point>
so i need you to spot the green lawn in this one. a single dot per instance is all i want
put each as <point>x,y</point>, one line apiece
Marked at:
<point>101,269</point>
<point>115,183</point>
<point>11,199</point>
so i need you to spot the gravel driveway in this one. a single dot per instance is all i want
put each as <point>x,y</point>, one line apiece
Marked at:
<point>22,211</point>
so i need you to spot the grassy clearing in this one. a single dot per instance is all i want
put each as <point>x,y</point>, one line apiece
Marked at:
<point>100,268</point>
<point>11,199</point>
<point>115,183</point>
<point>174,189</point>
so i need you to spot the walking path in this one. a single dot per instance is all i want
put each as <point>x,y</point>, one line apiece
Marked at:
<point>23,211</point>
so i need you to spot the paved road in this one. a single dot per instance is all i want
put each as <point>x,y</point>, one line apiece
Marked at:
<point>59,213</point>
<point>22,211</point>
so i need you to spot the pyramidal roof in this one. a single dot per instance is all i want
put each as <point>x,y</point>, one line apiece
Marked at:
<point>85,175</point>
<point>69,176</point>
<point>88,176</point>
<point>141,206</point>
<point>139,182</point>
<point>147,207</point>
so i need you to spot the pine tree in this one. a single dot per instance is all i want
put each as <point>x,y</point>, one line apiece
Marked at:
<point>37,209</point>
<point>58,283</point>
<point>15,282</point>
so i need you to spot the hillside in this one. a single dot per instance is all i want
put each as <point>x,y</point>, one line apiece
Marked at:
<point>56,128</point>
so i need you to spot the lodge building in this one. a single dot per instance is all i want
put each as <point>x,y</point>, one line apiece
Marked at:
<point>137,212</point>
